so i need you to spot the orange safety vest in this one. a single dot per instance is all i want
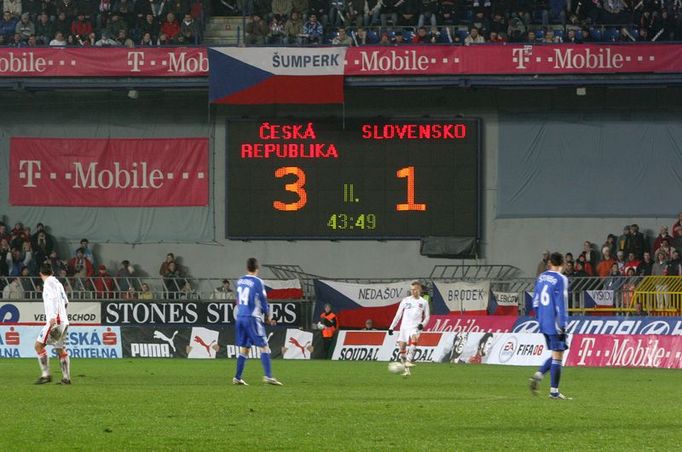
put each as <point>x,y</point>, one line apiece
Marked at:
<point>329,331</point>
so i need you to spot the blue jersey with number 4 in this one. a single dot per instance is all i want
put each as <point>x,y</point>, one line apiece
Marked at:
<point>550,301</point>
<point>251,298</point>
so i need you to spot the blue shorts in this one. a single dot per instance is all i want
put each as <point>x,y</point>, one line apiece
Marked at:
<point>250,331</point>
<point>554,344</point>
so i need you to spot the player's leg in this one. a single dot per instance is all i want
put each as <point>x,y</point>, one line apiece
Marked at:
<point>542,370</point>
<point>412,349</point>
<point>555,375</point>
<point>260,339</point>
<point>43,358</point>
<point>242,341</point>
<point>64,360</point>
<point>402,351</point>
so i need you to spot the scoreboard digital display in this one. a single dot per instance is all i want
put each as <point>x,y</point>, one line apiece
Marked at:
<point>364,179</point>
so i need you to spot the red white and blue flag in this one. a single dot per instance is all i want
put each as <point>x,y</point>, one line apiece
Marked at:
<point>283,289</point>
<point>270,75</point>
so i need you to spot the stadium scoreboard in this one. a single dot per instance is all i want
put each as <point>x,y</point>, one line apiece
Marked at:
<point>364,179</point>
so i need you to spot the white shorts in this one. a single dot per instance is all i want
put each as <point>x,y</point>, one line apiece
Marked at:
<point>406,334</point>
<point>55,335</point>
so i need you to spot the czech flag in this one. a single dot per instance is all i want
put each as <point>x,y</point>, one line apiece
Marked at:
<point>276,75</point>
<point>283,289</point>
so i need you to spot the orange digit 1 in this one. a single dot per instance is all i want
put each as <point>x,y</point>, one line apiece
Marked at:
<point>410,205</point>
<point>296,187</point>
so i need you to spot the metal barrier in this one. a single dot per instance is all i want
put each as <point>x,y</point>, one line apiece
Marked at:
<point>659,295</point>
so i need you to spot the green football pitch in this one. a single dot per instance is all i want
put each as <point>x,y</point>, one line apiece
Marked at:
<point>326,406</point>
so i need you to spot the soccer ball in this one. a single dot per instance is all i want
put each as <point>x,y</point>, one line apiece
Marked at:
<point>396,368</point>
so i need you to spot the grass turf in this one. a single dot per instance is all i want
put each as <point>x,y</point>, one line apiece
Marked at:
<point>191,404</point>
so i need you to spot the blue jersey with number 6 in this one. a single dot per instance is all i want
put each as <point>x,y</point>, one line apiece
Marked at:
<point>550,301</point>
<point>251,298</point>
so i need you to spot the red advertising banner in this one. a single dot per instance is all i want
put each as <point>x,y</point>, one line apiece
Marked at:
<point>513,59</point>
<point>471,324</point>
<point>104,62</point>
<point>619,350</point>
<point>108,172</point>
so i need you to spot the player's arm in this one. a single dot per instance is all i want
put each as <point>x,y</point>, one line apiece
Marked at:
<point>397,317</point>
<point>51,298</point>
<point>427,316</point>
<point>562,306</point>
<point>266,307</point>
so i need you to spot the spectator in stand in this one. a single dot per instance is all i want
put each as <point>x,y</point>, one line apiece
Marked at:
<point>342,39</point>
<point>125,276</point>
<point>178,7</point>
<point>337,13</point>
<point>106,40</point>
<point>147,40</point>
<point>103,284</point>
<point>8,25</point>
<point>428,12</point>
<point>474,37</point>
<point>68,7</point>
<point>189,29</point>
<point>276,34</point>
<point>480,21</point>
<point>628,287</point>
<point>125,9</point>
<point>568,257</point>
<point>637,242</point>
<point>104,10</point>
<point>385,39</point>
<point>584,265</point>
<point>26,280</point>
<point>90,40</point>
<point>677,226</point>
<point>551,38</point>
<point>170,257</point>
<point>79,266</point>
<point>372,14</point>
<point>172,281</point>
<point>579,270</point>
<point>614,279</point>
<point>360,36</point>
<point>516,31</point>
<point>623,243</point>
<point>87,251</point>
<point>17,41</point>
<point>281,9</point>
<point>14,290</point>
<point>81,27</point>
<point>632,262</point>
<point>151,26</point>
<point>115,25</point>
<point>171,28</point>
<point>18,236</point>
<point>15,259</point>
<point>13,7</point>
<point>496,38</point>
<point>666,248</point>
<point>620,261</point>
<point>312,30</point>
<point>611,244</point>
<point>662,235</point>
<point>25,27</point>
<point>531,38</point>
<point>42,239</point>
<point>585,36</point>
<point>590,255</point>
<point>145,292</point>
<point>571,37</point>
<point>660,267</point>
<point>675,265</point>
<point>604,267</point>
<point>421,37</point>
<point>62,24</point>
<point>293,29</point>
<point>256,31</point>
<point>369,325</point>
<point>44,29</point>
<point>542,265</point>
<point>407,13</point>
<point>646,265</point>
<point>569,269</point>
<point>223,292</point>
<point>389,12</point>
<point>399,39</point>
<point>187,292</point>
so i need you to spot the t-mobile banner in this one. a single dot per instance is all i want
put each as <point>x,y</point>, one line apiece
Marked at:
<point>33,313</point>
<point>108,172</point>
<point>471,324</point>
<point>355,303</point>
<point>471,298</point>
<point>81,342</point>
<point>611,350</point>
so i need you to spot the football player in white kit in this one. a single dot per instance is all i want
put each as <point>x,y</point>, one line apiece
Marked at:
<point>415,313</point>
<point>55,330</point>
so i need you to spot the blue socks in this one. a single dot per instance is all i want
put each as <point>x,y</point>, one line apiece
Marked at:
<point>546,366</point>
<point>241,362</point>
<point>555,375</point>
<point>265,360</point>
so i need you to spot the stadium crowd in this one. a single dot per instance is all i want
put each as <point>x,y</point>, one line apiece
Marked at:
<point>396,22</point>
<point>101,23</point>
<point>23,251</point>
<point>628,254</point>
